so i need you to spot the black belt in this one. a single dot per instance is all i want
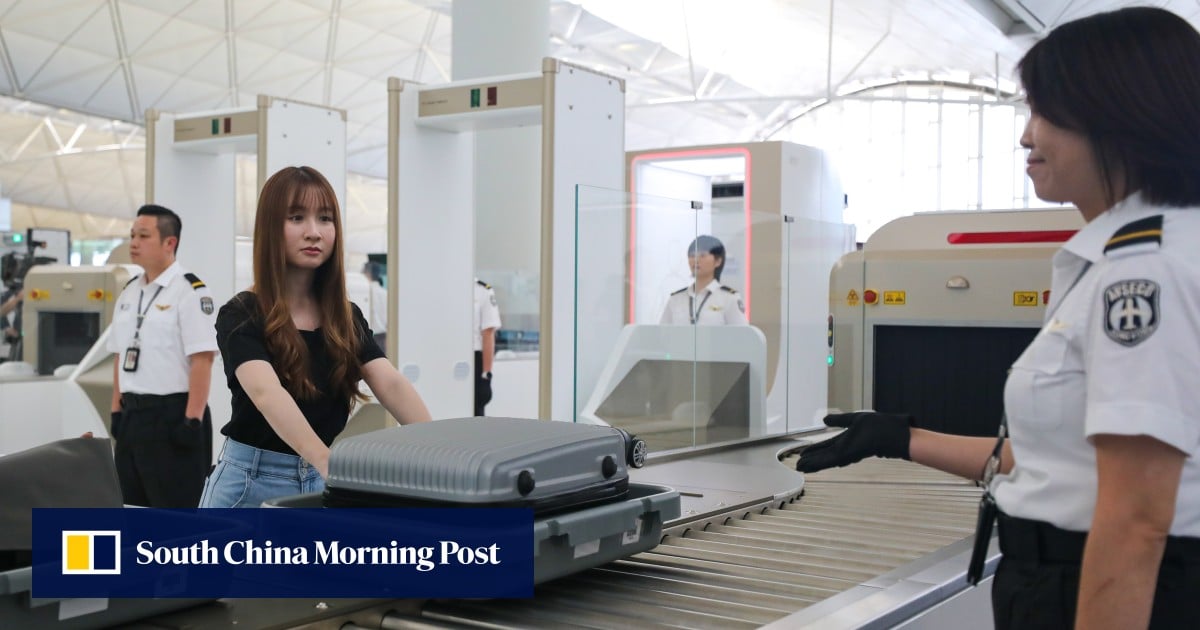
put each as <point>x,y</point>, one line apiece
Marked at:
<point>1027,540</point>
<point>134,402</point>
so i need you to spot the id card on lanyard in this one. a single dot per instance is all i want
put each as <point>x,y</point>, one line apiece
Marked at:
<point>133,352</point>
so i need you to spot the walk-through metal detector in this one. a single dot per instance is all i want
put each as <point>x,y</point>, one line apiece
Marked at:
<point>431,208</point>
<point>929,316</point>
<point>191,168</point>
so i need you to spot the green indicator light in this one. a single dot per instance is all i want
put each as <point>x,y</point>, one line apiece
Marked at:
<point>829,360</point>
<point>18,238</point>
<point>216,126</point>
<point>475,97</point>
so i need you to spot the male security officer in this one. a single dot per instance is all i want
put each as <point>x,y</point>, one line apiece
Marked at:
<point>164,337</point>
<point>487,321</point>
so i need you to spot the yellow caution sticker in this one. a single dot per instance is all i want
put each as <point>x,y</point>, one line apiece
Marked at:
<point>852,298</point>
<point>1025,298</point>
<point>895,298</point>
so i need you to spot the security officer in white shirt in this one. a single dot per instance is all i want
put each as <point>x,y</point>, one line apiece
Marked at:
<point>164,337</point>
<point>487,322</point>
<point>1098,490</point>
<point>715,303</point>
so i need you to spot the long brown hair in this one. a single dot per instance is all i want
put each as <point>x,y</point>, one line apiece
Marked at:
<point>283,192</point>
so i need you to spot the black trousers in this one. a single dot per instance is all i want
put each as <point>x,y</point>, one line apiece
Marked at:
<point>483,386</point>
<point>1037,582</point>
<point>162,457</point>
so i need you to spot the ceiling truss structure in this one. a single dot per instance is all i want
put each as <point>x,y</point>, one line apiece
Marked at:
<point>696,71</point>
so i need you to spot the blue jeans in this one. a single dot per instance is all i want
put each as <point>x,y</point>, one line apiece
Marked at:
<point>246,476</point>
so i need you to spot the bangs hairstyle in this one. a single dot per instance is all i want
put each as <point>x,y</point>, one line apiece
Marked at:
<point>1129,81</point>
<point>291,188</point>
<point>712,245</point>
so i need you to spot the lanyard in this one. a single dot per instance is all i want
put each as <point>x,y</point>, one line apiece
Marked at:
<point>693,310</point>
<point>141,315</point>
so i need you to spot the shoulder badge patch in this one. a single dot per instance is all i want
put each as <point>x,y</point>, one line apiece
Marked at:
<point>1148,230</point>
<point>728,289</point>
<point>679,291</point>
<point>206,305</point>
<point>131,280</point>
<point>1131,311</point>
<point>483,284</point>
<point>197,283</point>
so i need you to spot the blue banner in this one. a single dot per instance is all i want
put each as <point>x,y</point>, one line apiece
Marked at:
<point>297,552</point>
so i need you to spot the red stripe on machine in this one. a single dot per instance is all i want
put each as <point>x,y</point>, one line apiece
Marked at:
<point>1033,236</point>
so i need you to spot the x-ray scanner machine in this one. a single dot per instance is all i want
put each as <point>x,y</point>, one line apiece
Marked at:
<point>431,206</point>
<point>929,316</point>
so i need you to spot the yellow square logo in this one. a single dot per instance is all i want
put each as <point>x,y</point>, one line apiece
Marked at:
<point>91,552</point>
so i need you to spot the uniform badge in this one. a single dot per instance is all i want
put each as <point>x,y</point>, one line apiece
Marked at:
<point>206,305</point>
<point>741,307</point>
<point>493,297</point>
<point>1131,311</point>
<point>162,307</point>
<point>124,306</point>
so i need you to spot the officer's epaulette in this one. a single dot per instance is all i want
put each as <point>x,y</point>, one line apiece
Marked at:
<point>483,284</point>
<point>728,289</point>
<point>197,283</point>
<point>131,280</point>
<point>1148,230</point>
<point>679,291</point>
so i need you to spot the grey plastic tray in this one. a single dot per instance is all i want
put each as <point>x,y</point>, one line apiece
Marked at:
<point>571,542</point>
<point>18,609</point>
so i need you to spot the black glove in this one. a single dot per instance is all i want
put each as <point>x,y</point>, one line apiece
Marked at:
<point>184,433</point>
<point>868,433</point>
<point>114,425</point>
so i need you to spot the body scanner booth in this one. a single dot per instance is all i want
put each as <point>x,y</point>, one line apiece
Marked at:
<point>684,385</point>
<point>191,167</point>
<point>431,209</point>
<point>929,316</point>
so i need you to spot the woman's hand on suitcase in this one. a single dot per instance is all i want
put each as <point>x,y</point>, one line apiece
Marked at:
<point>867,434</point>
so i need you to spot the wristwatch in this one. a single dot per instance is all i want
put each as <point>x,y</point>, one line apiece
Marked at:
<point>487,376</point>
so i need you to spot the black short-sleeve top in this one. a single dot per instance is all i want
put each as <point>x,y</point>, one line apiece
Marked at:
<point>240,336</point>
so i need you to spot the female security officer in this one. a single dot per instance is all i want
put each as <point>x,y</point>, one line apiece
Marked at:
<point>1099,490</point>
<point>706,300</point>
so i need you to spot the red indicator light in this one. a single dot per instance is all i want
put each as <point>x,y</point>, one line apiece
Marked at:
<point>228,124</point>
<point>1046,296</point>
<point>870,296</point>
<point>1027,236</point>
<point>491,96</point>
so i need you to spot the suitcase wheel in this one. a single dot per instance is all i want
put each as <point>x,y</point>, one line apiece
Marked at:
<point>525,482</point>
<point>635,451</point>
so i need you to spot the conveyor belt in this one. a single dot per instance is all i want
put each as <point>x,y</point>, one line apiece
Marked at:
<point>749,567</point>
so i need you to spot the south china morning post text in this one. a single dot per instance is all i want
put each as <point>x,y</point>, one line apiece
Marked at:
<point>240,552</point>
<point>301,552</point>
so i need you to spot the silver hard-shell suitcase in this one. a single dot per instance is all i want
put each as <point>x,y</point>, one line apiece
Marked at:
<point>483,462</point>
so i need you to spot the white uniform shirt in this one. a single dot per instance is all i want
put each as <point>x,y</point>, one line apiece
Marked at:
<point>378,310</point>
<point>1119,354</point>
<point>179,322</point>
<point>716,304</point>
<point>487,314</point>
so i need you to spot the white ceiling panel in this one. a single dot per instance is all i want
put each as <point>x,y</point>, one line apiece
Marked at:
<point>696,71</point>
